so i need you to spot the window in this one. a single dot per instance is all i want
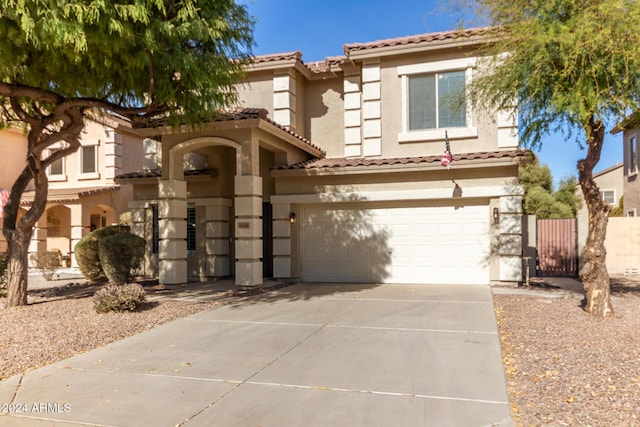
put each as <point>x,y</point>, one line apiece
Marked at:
<point>434,100</point>
<point>56,169</point>
<point>191,228</point>
<point>155,229</point>
<point>88,159</point>
<point>437,101</point>
<point>609,196</point>
<point>633,155</point>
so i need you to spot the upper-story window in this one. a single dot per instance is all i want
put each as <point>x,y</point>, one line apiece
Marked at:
<point>56,170</point>
<point>88,159</point>
<point>88,155</point>
<point>632,151</point>
<point>437,101</point>
<point>434,100</point>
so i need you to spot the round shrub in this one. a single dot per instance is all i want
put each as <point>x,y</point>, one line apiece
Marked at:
<point>128,297</point>
<point>86,251</point>
<point>121,254</point>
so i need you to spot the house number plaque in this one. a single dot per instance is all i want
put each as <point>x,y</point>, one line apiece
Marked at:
<point>242,225</point>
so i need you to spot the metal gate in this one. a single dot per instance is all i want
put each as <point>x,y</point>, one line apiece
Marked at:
<point>557,245</point>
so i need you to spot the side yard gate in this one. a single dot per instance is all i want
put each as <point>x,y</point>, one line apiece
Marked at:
<point>557,244</point>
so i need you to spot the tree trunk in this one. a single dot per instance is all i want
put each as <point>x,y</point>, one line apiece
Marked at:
<point>17,269</point>
<point>594,273</point>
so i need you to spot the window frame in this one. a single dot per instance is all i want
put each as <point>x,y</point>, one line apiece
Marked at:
<point>632,151</point>
<point>434,68</point>
<point>192,233</point>
<point>608,190</point>
<point>88,175</point>
<point>62,176</point>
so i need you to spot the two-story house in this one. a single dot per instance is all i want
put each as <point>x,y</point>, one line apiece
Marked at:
<point>82,192</point>
<point>333,171</point>
<point>630,138</point>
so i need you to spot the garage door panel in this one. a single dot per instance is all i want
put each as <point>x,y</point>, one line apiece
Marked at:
<point>437,244</point>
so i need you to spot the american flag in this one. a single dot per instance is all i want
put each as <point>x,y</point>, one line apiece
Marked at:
<point>4,198</point>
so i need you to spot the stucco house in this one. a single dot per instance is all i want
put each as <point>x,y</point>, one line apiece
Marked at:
<point>331,171</point>
<point>83,194</point>
<point>630,138</point>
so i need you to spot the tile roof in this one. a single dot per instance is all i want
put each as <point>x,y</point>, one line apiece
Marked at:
<point>326,163</point>
<point>67,194</point>
<point>273,57</point>
<point>417,39</point>
<point>157,173</point>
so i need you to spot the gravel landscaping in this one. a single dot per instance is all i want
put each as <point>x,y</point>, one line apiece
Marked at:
<point>563,368</point>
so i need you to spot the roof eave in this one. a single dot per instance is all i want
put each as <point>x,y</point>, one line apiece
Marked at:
<point>378,52</point>
<point>407,167</point>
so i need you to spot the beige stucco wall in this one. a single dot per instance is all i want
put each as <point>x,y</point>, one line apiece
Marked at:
<point>623,245</point>
<point>324,115</point>
<point>257,91</point>
<point>13,146</point>
<point>417,180</point>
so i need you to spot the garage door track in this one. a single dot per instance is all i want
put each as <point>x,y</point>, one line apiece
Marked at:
<point>305,355</point>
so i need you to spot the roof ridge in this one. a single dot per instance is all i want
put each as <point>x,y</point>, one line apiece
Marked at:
<point>418,38</point>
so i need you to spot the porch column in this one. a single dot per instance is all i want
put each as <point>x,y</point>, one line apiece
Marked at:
<point>39,236</point>
<point>510,238</point>
<point>172,210</point>
<point>217,235</point>
<point>248,229</point>
<point>281,240</point>
<point>79,228</point>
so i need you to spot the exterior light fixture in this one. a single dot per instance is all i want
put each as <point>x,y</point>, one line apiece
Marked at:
<point>292,218</point>
<point>496,215</point>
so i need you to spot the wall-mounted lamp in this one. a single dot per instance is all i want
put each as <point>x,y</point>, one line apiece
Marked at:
<point>292,218</point>
<point>496,215</point>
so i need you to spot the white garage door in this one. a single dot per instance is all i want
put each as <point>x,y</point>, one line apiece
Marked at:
<point>432,245</point>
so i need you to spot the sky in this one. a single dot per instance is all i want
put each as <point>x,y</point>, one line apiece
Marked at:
<point>319,29</point>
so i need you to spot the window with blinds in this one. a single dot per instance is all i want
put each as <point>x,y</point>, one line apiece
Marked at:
<point>437,101</point>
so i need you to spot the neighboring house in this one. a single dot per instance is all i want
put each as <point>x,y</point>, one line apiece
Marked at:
<point>331,172</point>
<point>631,136</point>
<point>82,192</point>
<point>611,183</point>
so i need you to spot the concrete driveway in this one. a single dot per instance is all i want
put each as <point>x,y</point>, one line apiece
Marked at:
<point>305,355</point>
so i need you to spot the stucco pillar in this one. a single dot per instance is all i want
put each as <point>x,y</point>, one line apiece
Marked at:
<point>510,239</point>
<point>172,210</point>
<point>39,236</point>
<point>248,229</point>
<point>281,240</point>
<point>218,262</point>
<point>79,228</point>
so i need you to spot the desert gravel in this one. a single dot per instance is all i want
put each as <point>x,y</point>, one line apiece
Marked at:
<point>564,368</point>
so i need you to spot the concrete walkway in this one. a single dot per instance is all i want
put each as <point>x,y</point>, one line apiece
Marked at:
<point>305,355</point>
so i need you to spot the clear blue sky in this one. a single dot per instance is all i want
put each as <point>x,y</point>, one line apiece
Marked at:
<point>320,28</point>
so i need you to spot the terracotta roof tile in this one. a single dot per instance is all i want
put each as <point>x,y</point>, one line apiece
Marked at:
<point>273,57</point>
<point>417,39</point>
<point>67,194</point>
<point>326,163</point>
<point>157,173</point>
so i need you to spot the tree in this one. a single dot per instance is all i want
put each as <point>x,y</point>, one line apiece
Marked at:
<point>567,64</point>
<point>540,199</point>
<point>151,61</point>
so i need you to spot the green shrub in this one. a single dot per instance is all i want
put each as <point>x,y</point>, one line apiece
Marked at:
<point>46,262</point>
<point>127,297</point>
<point>121,254</point>
<point>4,263</point>
<point>86,251</point>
